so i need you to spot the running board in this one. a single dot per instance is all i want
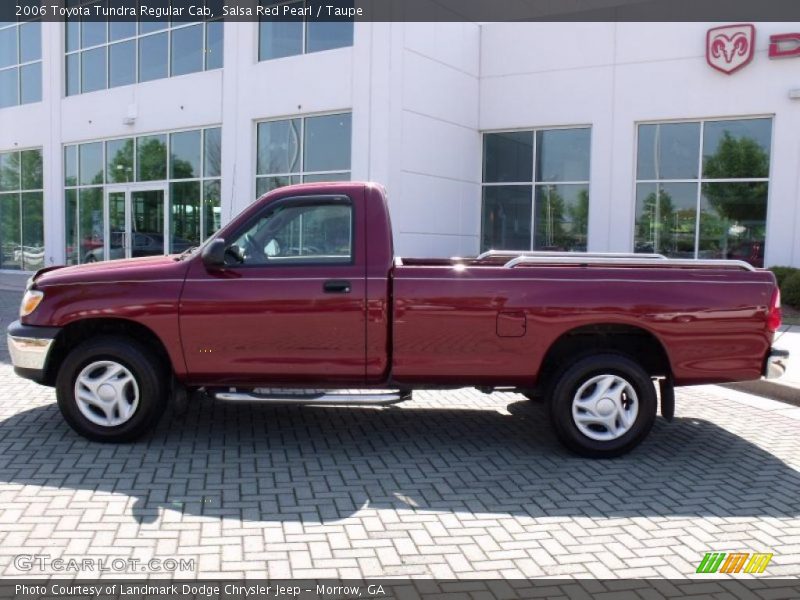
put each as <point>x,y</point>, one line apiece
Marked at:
<point>316,398</point>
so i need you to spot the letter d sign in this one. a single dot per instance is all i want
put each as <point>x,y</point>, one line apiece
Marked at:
<point>784,45</point>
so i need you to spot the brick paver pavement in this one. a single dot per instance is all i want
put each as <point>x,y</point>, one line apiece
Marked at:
<point>453,484</point>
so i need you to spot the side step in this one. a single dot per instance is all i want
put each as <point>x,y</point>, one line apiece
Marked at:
<point>314,397</point>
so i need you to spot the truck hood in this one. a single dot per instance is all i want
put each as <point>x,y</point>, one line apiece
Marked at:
<point>132,269</point>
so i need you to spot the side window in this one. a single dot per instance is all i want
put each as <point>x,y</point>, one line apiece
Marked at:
<point>297,234</point>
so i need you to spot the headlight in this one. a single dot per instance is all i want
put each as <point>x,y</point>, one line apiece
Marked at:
<point>30,301</point>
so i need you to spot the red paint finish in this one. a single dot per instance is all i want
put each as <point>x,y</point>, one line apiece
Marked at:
<point>422,322</point>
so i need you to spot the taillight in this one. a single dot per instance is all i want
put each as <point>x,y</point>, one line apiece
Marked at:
<point>774,316</point>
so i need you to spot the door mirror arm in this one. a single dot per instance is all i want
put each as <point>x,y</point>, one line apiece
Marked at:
<point>214,255</point>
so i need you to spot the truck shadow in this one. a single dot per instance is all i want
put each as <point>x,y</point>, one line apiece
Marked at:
<point>259,463</point>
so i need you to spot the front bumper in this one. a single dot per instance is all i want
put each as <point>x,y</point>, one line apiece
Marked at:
<point>29,348</point>
<point>777,361</point>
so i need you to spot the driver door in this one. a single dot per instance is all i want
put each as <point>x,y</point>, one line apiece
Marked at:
<point>290,305</point>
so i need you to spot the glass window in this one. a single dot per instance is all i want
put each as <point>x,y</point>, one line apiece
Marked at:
<point>737,149</point>
<point>125,45</point>
<point>70,165</point>
<point>10,232</point>
<point>21,210</point>
<point>279,146</point>
<point>93,70</point>
<point>327,143</point>
<point>185,155</point>
<point>120,30</point>
<point>187,50</point>
<point>31,170</point>
<point>562,155</point>
<point>119,161</point>
<point>73,32</point>
<point>214,45</point>
<point>90,224</point>
<point>508,157</point>
<point>30,41</point>
<point>91,163</point>
<point>322,35</point>
<point>93,33</point>
<point>292,35</point>
<point>153,57</point>
<point>541,206</point>
<point>319,234</point>
<point>32,250</point>
<point>668,151</point>
<point>9,92</point>
<point>212,152</point>
<point>733,219</point>
<point>562,217</point>
<point>8,47</point>
<point>506,217</point>
<point>9,171</point>
<point>666,218</point>
<point>280,37</point>
<point>151,158</point>
<point>30,83</point>
<point>73,74</point>
<point>267,184</point>
<point>194,195</point>
<point>71,226</point>
<point>212,210</point>
<point>20,63</point>
<point>709,216</point>
<point>306,149</point>
<point>122,67</point>
<point>185,214</point>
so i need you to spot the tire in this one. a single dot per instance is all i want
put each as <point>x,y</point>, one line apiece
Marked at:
<point>111,389</point>
<point>603,405</point>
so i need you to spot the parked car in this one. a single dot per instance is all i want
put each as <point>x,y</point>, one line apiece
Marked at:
<point>302,290</point>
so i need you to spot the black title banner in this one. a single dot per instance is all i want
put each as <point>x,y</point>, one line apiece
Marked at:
<point>402,10</point>
<point>396,589</point>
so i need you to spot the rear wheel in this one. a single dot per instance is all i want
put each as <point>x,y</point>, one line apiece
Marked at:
<point>111,390</point>
<point>603,405</point>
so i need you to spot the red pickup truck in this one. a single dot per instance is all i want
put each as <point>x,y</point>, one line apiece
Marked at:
<point>301,300</point>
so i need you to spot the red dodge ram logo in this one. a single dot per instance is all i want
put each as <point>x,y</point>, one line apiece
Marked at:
<point>730,48</point>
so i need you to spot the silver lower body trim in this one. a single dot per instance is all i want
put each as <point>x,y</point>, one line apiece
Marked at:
<point>28,353</point>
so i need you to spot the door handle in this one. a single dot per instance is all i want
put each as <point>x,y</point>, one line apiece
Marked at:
<point>336,286</point>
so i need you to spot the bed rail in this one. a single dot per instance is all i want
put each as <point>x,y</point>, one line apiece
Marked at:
<point>591,259</point>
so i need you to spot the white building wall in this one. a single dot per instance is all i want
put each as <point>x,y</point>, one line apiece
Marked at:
<point>614,75</point>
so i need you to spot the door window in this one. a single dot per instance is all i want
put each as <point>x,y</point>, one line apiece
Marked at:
<point>298,234</point>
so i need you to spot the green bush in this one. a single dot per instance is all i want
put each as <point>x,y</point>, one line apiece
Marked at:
<point>781,273</point>
<point>790,290</point>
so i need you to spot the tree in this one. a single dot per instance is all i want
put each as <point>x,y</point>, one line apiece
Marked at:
<point>737,158</point>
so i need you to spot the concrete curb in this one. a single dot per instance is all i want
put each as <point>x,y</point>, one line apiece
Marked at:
<point>768,389</point>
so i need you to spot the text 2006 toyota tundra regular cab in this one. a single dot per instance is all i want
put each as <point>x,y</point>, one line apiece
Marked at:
<point>301,300</point>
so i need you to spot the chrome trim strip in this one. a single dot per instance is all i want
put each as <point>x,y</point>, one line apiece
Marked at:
<point>28,353</point>
<point>551,254</point>
<point>330,399</point>
<point>627,262</point>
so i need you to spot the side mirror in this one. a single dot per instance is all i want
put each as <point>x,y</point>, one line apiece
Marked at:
<point>214,254</point>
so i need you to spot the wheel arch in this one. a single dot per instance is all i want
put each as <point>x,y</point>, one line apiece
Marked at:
<point>77,332</point>
<point>635,342</point>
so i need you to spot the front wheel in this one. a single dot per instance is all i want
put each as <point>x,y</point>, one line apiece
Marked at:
<point>603,405</point>
<point>111,390</point>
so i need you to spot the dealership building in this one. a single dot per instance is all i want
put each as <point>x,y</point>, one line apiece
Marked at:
<point>123,139</point>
